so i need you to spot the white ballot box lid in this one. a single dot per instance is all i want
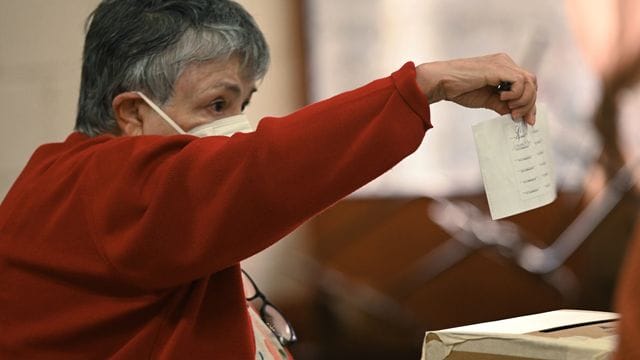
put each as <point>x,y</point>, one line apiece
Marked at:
<point>560,334</point>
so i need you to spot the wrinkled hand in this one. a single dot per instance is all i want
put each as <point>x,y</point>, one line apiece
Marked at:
<point>472,83</point>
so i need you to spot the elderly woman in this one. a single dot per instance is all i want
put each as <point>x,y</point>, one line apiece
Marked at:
<point>124,241</point>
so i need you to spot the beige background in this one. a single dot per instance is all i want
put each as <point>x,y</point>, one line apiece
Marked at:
<point>40,61</point>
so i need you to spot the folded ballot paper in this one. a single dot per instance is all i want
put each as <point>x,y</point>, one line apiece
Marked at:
<point>516,164</point>
<point>554,335</point>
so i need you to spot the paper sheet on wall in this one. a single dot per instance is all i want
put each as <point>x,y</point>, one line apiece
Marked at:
<point>516,164</point>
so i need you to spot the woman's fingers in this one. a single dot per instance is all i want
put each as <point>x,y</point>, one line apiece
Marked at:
<point>521,98</point>
<point>530,117</point>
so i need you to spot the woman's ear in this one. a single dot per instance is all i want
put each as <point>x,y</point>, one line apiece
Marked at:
<point>126,108</point>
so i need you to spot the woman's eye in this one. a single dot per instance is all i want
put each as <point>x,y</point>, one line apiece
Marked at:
<point>218,105</point>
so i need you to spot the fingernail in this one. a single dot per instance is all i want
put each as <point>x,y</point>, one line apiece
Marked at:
<point>531,120</point>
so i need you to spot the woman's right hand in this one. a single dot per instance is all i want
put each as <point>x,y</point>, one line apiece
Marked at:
<point>472,83</point>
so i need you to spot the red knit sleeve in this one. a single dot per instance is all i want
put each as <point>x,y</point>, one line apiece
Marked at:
<point>169,210</point>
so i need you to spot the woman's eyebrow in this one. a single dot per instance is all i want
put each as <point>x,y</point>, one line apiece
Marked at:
<point>233,87</point>
<point>228,85</point>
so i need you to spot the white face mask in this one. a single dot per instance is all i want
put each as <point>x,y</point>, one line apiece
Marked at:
<point>226,126</point>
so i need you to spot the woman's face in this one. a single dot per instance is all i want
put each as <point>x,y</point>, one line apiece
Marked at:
<point>203,93</point>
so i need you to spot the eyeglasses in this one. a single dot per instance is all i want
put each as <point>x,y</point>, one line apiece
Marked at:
<point>271,316</point>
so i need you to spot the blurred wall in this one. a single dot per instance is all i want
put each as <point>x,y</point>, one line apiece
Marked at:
<point>40,51</point>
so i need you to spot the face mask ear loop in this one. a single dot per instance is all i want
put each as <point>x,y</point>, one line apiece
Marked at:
<point>162,114</point>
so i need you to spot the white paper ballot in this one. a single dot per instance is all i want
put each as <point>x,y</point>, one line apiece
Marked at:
<point>516,164</point>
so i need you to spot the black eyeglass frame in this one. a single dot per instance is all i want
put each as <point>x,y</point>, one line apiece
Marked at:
<point>284,341</point>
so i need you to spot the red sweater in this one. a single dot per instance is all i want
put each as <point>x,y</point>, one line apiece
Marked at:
<point>129,247</point>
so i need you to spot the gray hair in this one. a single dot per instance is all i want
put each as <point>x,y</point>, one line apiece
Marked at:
<point>144,45</point>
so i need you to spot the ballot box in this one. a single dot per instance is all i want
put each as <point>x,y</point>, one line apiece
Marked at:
<point>560,334</point>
